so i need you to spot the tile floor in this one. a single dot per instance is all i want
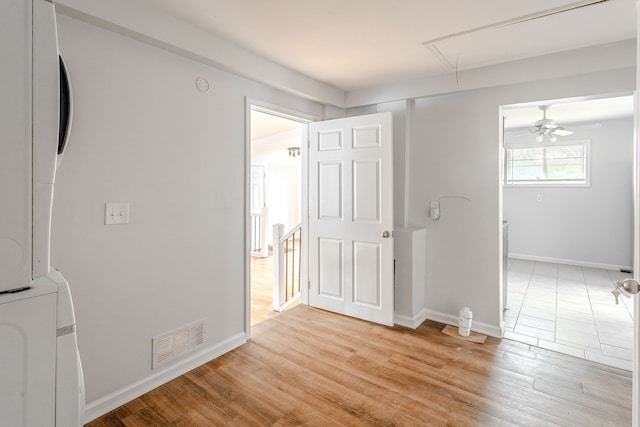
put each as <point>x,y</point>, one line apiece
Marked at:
<point>569,309</point>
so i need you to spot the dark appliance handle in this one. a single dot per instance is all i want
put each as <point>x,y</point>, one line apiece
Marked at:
<point>65,107</point>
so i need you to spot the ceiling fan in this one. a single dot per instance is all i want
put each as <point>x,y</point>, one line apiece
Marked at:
<point>548,128</point>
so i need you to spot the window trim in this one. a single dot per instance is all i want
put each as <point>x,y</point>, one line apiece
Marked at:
<point>561,143</point>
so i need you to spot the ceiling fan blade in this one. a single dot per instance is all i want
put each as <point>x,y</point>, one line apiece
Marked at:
<point>518,133</point>
<point>586,126</point>
<point>563,131</point>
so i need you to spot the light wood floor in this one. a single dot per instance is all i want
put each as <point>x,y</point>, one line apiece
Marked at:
<point>262,290</point>
<point>312,368</point>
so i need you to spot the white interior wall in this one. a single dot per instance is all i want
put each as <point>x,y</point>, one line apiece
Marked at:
<point>590,226</point>
<point>144,134</point>
<point>284,195</point>
<point>454,142</point>
<point>283,180</point>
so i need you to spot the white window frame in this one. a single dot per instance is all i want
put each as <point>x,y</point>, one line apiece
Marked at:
<point>545,183</point>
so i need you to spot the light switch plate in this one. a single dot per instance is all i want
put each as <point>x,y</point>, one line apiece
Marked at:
<point>435,210</point>
<point>116,213</point>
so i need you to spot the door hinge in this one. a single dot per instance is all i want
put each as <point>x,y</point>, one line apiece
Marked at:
<point>394,273</point>
<point>309,282</point>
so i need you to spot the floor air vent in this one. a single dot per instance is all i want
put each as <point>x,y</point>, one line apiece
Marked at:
<point>177,343</point>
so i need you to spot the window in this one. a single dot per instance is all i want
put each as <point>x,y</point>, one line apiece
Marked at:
<point>551,164</point>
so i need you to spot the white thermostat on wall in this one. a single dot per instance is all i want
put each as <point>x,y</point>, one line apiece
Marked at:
<point>202,84</point>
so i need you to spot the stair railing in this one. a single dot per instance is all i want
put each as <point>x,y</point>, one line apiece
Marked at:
<point>286,265</point>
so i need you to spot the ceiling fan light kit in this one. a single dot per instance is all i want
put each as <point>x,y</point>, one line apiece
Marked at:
<point>540,138</point>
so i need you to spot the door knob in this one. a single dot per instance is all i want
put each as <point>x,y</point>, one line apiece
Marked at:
<point>385,234</point>
<point>629,285</point>
<point>626,287</point>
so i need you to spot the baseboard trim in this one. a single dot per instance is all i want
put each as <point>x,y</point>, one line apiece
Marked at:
<point>410,322</point>
<point>578,263</point>
<point>480,327</point>
<point>118,398</point>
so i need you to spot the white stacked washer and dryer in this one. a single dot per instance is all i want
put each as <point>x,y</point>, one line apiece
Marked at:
<point>41,381</point>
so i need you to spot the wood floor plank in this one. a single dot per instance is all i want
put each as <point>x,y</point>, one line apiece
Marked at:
<point>262,290</point>
<point>307,367</point>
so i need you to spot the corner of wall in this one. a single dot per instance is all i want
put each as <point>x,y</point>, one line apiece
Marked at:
<point>411,322</point>
<point>480,327</point>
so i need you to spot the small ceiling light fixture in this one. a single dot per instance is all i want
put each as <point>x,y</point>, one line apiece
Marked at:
<point>542,135</point>
<point>294,151</point>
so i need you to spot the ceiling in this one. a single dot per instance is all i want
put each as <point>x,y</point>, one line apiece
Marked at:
<point>353,44</point>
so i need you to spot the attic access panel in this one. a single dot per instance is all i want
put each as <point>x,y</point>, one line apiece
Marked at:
<point>534,35</point>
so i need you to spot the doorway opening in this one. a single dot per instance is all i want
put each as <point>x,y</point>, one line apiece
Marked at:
<point>275,209</point>
<point>568,169</point>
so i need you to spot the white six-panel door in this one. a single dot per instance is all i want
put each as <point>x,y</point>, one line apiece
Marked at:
<point>351,217</point>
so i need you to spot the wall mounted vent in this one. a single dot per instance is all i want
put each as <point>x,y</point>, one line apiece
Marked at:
<point>177,343</point>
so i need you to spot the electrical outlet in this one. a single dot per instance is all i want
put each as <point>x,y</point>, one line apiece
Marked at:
<point>116,213</point>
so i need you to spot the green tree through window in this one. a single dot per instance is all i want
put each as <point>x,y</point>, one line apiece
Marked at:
<point>551,164</point>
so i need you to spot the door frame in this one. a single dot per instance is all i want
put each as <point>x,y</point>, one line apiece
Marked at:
<point>635,418</point>
<point>635,387</point>
<point>635,392</point>
<point>252,104</point>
